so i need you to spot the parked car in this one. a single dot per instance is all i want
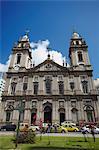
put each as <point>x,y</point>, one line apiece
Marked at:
<point>68,123</point>
<point>96,130</point>
<point>71,128</point>
<point>55,128</point>
<point>85,129</point>
<point>8,127</point>
<point>34,128</point>
<point>59,129</point>
<point>23,127</point>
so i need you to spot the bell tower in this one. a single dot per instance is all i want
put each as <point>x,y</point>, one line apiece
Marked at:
<point>78,52</point>
<point>21,58</point>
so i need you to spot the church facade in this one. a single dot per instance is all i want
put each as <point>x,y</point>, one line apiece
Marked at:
<point>50,92</point>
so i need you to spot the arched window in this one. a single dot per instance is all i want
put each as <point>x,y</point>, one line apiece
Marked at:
<point>13,88</point>
<point>89,113</point>
<point>77,42</point>
<point>80,58</point>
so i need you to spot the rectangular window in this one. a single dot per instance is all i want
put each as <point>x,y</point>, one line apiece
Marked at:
<point>24,86</point>
<point>25,79</point>
<point>60,77</point>
<point>85,86</point>
<point>34,104</point>
<point>8,114</point>
<point>35,87</point>
<point>18,58</point>
<point>61,87</point>
<point>73,103</point>
<point>72,86</point>
<point>48,86</point>
<point>61,104</point>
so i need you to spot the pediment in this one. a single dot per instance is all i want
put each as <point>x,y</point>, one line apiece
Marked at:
<point>49,65</point>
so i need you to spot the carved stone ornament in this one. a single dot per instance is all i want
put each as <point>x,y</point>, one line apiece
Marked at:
<point>9,107</point>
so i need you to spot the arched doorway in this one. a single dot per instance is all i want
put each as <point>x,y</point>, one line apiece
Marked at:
<point>33,116</point>
<point>61,115</point>
<point>48,114</point>
<point>89,113</point>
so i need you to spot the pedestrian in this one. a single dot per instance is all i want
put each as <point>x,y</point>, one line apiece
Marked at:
<point>55,128</point>
<point>49,128</point>
<point>92,132</point>
<point>84,134</point>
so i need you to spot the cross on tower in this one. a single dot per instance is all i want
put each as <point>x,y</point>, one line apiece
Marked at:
<point>27,32</point>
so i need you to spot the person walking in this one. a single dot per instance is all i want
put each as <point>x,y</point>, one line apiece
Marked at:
<point>92,132</point>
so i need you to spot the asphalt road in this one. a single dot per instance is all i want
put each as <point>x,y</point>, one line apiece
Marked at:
<point>69,134</point>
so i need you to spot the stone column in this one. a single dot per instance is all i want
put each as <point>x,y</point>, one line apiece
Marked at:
<point>30,86</point>
<point>82,110</point>
<point>55,90</point>
<point>3,112</point>
<point>79,110</point>
<point>90,84</point>
<point>40,112</point>
<point>41,86</point>
<point>97,103</point>
<point>57,117</point>
<point>54,112</point>
<point>77,85</point>
<point>27,116</point>
<point>15,116</point>
<point>66,86</point>
<point>19,86</point>
<point>7,85</point>
<point>66,110</point>
<point>69,111</point>
<point>27,113</point>
<point>96,111</point>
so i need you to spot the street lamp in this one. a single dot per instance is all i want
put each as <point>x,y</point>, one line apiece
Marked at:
<point>20,108</point>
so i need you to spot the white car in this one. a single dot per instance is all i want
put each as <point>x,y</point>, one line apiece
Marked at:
<point>34,128</point>
<point>85,129</point>
<point>96,130</point>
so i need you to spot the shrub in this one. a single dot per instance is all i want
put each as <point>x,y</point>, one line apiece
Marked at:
<point>26,137</point>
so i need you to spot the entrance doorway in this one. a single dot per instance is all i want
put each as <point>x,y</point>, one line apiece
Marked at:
<point>62,117</point>
<point>47,114</point>
<point>89,116</point>
<point>33,118</point>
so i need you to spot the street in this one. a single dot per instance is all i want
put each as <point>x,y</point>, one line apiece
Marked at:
<point>69,134</point>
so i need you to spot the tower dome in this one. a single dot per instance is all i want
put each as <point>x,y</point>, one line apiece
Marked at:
<point>75,35</point>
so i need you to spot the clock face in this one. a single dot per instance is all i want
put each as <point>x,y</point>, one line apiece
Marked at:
<point>16,67</point>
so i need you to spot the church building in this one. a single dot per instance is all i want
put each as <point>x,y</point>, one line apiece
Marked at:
<point>48,91</point>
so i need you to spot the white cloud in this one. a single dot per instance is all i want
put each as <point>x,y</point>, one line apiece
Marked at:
<point>40,52</point>
<point>96,82</point>
<point>4,67</point>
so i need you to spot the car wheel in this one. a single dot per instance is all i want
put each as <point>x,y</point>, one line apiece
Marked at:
<point>63,131</point>
<point>75,130</point>
<point>3,129</point>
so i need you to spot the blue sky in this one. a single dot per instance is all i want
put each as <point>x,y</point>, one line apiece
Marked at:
<point>52,20</point>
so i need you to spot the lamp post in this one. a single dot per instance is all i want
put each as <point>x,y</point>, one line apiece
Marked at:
<point>20,109</point>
